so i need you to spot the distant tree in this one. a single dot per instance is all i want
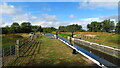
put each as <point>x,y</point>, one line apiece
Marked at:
<point>117,29</point>
<point>14,28</point>
<point>74,28</point>
<point>26,27</point>
<point>40,29</point>
<point>49,29</point>
<point>37,29</point>
<point>94,26</point>
<point>62,28</point>
<point>8,29</point>
<point>4,30</point>
<point>89,27</point>
<point>52,29</point>
<point>82,30</point>
<point>107,25</point>
<point>70,28</point>
<point>104,26</point>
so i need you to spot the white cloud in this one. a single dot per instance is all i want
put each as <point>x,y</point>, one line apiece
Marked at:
<point>1,20</point>
<point>47,20</point>
<point>72,16</point>
<point>111,17</point>
<point>96,5</point>
<point>46,23</point>
<point>115,17</point>
<point>15,14</point>
<point>48,17</point>
<point>75,22</point>
<point>23,17</point>
<point>3,24</point>
<point>8,9</point>
<point>86,21</point>
<point>34,17</point>
<point>90,19</point>
<point>6,24</point>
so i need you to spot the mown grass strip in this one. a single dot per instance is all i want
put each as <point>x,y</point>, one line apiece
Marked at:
<point>52,52</point>
<point>30,49</point>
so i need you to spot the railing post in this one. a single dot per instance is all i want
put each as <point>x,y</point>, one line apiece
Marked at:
<point>17,48</point>
<point>56,35</point>
<point>74,51</point>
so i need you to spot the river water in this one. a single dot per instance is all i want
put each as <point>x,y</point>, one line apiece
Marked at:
<point>107,57</point>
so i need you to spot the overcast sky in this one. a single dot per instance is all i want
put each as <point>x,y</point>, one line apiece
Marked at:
<point>56,14</point>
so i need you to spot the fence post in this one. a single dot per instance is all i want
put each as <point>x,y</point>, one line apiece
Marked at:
<point>17,48</point>
<point>3,58</point>
<point>10,50</point>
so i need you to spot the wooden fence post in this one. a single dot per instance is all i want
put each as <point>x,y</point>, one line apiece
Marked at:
<point>17,48</point>
<point>3,57</point>
<point>10,50</point>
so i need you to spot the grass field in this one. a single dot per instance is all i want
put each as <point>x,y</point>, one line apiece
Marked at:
<point>62,34</point>
<point>51,52</point>
<point>108,39</point>
<point>10,39</point>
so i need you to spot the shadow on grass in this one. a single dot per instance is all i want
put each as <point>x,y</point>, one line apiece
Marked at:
<point>60,64</point>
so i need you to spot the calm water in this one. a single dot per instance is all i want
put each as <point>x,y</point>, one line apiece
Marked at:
<point>107,57</point>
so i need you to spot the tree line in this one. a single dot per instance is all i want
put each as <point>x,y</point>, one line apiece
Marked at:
<point>104,26</point>
<point>26,27</point>
<point>70,28</point>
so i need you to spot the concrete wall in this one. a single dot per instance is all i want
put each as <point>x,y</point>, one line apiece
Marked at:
<point>109,50</point>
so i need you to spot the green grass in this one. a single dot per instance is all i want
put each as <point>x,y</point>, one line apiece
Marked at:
<point>112,40</point>
<point>109,40</point>
<point>104,43</point>
<point>63,35</point>
<point>53,52</point>
<point>10,39</point>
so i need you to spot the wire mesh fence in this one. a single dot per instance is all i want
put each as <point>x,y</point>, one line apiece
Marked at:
<point>10,53</point>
